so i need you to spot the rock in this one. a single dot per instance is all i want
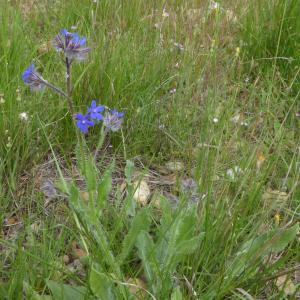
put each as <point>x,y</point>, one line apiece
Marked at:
<point>84,195</point>
<point>286,285</point>
<point>77,252</point>
<point>66,259</point>
<point>174,166</point>
<point>142,192</point>
<point>137,287</point>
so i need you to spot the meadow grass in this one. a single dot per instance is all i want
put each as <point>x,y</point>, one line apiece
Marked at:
<point>215,88</point>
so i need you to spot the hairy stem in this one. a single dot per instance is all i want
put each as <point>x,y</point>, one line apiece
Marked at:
<point>100,142</point>
<point>69,87</point>
<point>54,88</point>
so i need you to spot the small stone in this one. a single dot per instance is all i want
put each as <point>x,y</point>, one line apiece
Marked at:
<point>142,192</point>
<point>77,252</point>
<point>66,259</point>
<point>36,226</point>
<point>84,196</point>
<point>137,287</point>
<point>48,189</point>
<point>174,166</point>
<point>286,285</point>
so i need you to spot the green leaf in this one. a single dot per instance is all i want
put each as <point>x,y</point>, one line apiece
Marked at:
<point>254,249</point>
<point>129,202</point>
<point>273,241</point>
<point>187,247</point>
<point>183,249</point>
<point>283,237</point>
<point>147,253</point>
<point>32,294</point>
<point>63,185</point>
<point>74,197</point>
<point>176,295</point>
<point>81,153</point>
<point>90,174</point>
<point>179,231</point>
<point>140,222</point>
<point>62,291</point>
<point>104,188</point>
<point>101,285</point>
<point>129,170</point>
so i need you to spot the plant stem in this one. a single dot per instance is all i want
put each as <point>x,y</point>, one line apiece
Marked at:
<point>100,142</point>
<point>69,87</point>
<point>54,88</point>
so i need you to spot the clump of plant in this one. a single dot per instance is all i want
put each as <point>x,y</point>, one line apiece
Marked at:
<point>124,240</point>
<point>72,47</point>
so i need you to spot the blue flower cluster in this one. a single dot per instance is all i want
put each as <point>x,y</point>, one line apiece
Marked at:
<point>33,79</point>
<point>112,119</point>
<point>71,44</point>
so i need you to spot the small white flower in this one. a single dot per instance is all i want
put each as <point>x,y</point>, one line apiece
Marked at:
<point>233,173</point>
<point>230,174</point>
<point>179,46</point>
<point>165,14</point>
<point>173,91</point>
<point>157,25</point>
<point>215,120</point>
<point>213,5</point>
<point>23,116</point>
<point>237,170</point>
<point>236,118</point>
<point>245,124</point>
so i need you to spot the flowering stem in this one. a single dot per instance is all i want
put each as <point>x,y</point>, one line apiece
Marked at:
<point>69,88</point>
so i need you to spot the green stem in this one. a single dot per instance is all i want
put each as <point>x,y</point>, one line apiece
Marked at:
<point>54,88</point>
<point>100,143</point>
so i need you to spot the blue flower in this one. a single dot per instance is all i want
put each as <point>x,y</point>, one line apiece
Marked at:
<point>94,111</point>
<point>71,44</point>
<point>33,78</point>
<point>83,122</point>
<point>113,120</point>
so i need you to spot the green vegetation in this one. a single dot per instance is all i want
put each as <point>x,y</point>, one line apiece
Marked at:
<point>210,93</point>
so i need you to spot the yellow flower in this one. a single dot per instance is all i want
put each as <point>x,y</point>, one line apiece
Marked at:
<point>277,218</point>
